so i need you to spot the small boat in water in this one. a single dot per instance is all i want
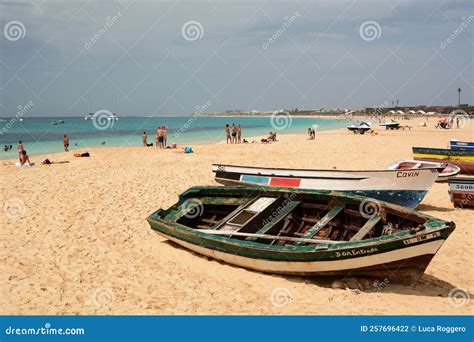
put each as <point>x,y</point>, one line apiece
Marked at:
<point>89,116</point>
<point>461,192</point>
<point>449,169</point>
<point>462,158</point>
<point>360,128</point>
<point>461,145</point>
<point>403,187</point>
<point>303,232</point>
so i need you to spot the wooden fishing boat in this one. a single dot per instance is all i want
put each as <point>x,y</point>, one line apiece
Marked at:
<point>405,188</point>
<point>463,159</point>
<point>461,145</point>
<point>303,232</point>
<point>461,192</point>
<point>449,169</point>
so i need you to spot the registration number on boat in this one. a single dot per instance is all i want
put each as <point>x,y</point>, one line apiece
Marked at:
<point>421,238</point>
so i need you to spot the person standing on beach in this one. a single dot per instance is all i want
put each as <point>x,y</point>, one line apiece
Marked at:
<point>239,134</point>
<point>157,136</point>
<point>227,134</point>
<point>165,135</point>
<point>144,139</point>
<point>160,137</point>
<point>234,134</point>
<point>20,149</point>
<point>66,143</point>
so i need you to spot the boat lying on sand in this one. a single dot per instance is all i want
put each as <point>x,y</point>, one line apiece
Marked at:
<point>405,188</point>
<point>303,232</point>
<point>449,169</point>
<point>360,128</point>
<point>461,145</point>
<point>461,192</point>
<point>462,158</point>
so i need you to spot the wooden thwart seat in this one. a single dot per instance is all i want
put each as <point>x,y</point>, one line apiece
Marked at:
<point>288,208</point>
<point>366,228</point>
<point>322,223</point>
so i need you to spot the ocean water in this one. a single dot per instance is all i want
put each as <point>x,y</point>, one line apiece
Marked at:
<point>40,136</point>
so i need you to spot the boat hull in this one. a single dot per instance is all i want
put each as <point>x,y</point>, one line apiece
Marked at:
<point>462,158</point>
<point>450,170</point>
<point>461,192</point>
<point>405,188</point>
<point>402,261</point>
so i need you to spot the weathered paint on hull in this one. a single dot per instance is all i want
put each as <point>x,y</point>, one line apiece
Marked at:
<point>403,266</point>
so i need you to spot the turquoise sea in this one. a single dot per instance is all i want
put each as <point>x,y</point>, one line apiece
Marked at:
<point>41,136</point>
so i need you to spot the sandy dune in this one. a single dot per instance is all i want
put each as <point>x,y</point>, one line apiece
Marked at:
<point>74,239</point>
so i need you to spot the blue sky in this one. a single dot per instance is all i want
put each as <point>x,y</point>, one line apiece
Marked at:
<point>143,64</point>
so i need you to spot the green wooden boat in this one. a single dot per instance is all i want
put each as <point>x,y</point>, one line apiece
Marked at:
<point>295,231</point>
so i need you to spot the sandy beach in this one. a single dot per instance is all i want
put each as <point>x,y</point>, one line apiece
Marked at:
<point>74,239</point>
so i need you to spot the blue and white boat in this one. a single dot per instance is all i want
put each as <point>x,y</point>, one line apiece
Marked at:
<point>403,187</point>
<point>461,145</point>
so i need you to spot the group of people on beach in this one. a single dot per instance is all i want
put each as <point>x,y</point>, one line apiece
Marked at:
<point>233,134</point>
<point>161,137</point>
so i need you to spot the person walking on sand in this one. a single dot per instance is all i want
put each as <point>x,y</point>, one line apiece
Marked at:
<point>20,149</point>
<point>234,134</point>
<point>144,139</point>
<point>227,134</point>
<point>239,134</point>
<point>66,143</point>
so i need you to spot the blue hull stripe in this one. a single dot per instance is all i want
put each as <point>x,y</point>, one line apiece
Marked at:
<point>255,179</point>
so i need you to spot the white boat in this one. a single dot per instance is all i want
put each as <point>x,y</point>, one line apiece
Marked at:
<point>403,187</point>
<point>390,125</point>
<point>89,116</point>
<point>113,117</point>
<point>360,128</point>
<point>450,170</point>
